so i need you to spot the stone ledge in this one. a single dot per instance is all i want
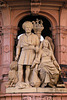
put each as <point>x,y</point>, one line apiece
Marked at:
<point>36,90</point>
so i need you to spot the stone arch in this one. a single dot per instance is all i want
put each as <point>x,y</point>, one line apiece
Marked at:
<point>51,19</point>
<point>19,17</point>
<point>47,15</point>
<point>54,23</point>
<point>46,23</point>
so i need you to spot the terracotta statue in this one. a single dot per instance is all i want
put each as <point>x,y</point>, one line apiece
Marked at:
<point>12,75</point>
<point>48,67</point>
<point>29,43</point>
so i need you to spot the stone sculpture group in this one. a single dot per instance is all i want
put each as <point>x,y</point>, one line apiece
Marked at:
<point>37,57</point>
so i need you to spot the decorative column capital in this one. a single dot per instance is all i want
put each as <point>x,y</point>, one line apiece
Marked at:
<point>58,30</point>
<point>61,29</point>
<point>10,30</point>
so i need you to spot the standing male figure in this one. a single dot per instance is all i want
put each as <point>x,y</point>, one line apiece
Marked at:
<point>29,43</point>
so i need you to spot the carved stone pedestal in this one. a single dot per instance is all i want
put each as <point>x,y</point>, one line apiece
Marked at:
<point>35,94</point>
<point>36,90</point>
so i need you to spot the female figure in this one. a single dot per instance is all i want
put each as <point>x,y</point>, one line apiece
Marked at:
<point>48,67</point>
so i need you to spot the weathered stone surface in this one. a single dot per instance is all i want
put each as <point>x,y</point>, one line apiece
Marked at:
<point>16,90</point>
<point>38,90</point>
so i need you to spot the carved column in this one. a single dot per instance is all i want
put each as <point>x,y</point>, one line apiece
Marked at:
<point>55,36</point>
<point>60,41</point>
<point>60,38</point>
<point>0,48</point>
<point>0,36</point>
<point>63,52</point>
<point>7,37</point>
<point>63,45</point>
<point>9,33</point>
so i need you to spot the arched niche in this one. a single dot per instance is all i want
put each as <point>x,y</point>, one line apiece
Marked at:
<point>46,23</point>
<point>47,18</point>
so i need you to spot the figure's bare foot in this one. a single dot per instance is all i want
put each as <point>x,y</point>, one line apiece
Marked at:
<point>21,85</point>
<point>7,84</point>
<point>32,84</point>
<point>27,82</point>
<point>51,85</point>
<point>28,85</point>
<point>44,85</point>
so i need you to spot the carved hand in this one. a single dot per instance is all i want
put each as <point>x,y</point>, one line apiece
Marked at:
<point>16,58</point>
<point>33,65</point>
<point>37,49</point>
<point>57,65</point>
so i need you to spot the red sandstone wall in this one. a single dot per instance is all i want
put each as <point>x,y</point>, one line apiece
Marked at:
<point>0,49</point>
<point>9,19</point>
<point>34,96</point>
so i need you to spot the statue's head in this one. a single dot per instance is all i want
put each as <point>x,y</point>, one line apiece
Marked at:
<point>46,44</point>
<point>27,26</point>
<point>51,43</point>
<point>48,38</point>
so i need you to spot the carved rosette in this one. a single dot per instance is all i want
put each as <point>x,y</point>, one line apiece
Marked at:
<point>37,97</point>
<point>6,48</point>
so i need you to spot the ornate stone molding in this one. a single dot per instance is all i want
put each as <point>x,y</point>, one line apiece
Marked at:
<point>10,30</point>
<point>6,48</point>
<point>35,6</point>
<point>9,27</point>
<point>3,3</point>
<point>63,48</point>
<point>58,30</point>
<point>62,29</point>
<point>36,90</point>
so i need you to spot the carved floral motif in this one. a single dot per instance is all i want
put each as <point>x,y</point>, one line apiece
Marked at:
<point>6,48</point>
